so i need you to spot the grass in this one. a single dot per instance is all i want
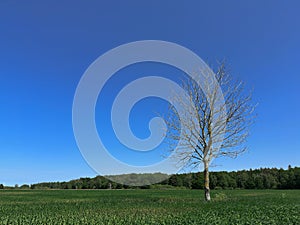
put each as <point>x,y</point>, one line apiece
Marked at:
<point>149,207</point>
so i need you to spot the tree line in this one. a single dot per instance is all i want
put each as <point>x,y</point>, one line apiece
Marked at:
<point>263,178</point>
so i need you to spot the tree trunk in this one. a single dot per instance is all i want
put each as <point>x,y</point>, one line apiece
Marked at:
<point>206,182</point>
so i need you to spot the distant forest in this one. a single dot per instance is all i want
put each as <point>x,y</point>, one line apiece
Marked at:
<point>263,178</point>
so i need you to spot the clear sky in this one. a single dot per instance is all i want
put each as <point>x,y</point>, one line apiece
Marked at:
<point>45,47</point>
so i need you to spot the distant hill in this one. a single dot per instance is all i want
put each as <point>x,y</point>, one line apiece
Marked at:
<point>263,178</point>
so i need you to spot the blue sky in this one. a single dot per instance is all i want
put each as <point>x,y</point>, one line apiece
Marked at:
<point>45,47</point>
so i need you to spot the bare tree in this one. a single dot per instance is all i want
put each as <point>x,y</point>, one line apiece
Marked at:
<point>208,132</point>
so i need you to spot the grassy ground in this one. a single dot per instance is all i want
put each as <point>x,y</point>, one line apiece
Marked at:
<point>149,207</point>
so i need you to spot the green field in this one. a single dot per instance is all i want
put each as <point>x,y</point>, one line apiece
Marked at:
<point>149,207</point>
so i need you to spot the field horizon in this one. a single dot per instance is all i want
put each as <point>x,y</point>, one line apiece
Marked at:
<point>262,178</point>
